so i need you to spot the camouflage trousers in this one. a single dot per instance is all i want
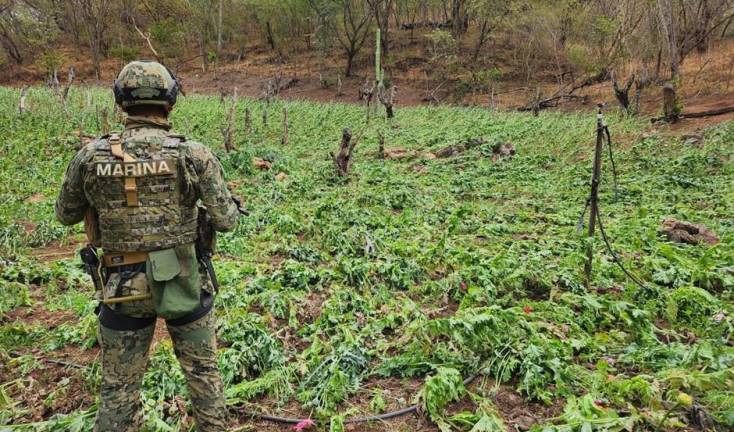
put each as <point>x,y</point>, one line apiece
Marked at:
<point>124,361</point>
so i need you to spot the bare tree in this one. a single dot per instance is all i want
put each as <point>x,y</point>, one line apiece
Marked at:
<point>489,13</point>
<point>459,18</point>
<point>25,26</point>
<point>669,25</point>
<point>96,16</point>
<point>688,25</point>
<point>8,43</point>
<point>351,29</point>
<point>382,10</point>
<point>356,24</point>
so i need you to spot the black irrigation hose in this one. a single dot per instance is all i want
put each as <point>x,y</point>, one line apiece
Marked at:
<point>16,354</point>
<point>380,417</point>
<point>636,279</point>
<point>277,419</point>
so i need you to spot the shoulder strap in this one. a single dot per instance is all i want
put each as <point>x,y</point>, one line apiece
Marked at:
<point>131,186</point>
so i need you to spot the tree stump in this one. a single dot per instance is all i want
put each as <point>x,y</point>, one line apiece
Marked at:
<point>381,145</point>
<point>387,98</point>
<point>21,103</point>
<point>343,160</point>
<point>671,107</point>
<point>622,93</point>
<point>228,130</point>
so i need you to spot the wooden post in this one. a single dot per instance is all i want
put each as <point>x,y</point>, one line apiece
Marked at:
<point>284,140</point>
<point>228,131</point>
<point>64,93</point>
<point>248,120</point>
<point>265,117</point>
<point>21,103</point>
<point>105,120</point>
<point>594,198</point>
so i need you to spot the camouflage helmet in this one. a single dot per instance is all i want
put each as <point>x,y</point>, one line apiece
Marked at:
<point>145,82</point>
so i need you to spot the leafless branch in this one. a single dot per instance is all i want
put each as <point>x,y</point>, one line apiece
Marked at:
<point>147,39</point>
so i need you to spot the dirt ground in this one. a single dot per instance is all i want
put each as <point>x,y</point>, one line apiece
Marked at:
<point>69,364</point>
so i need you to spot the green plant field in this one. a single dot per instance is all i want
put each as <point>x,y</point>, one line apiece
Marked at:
<point>423,270</point>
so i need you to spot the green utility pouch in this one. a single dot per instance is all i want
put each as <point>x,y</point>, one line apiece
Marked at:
<point>174,281</point>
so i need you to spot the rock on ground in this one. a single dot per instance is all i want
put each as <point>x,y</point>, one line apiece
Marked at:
<point>688,232</point>
<point>261,164</point>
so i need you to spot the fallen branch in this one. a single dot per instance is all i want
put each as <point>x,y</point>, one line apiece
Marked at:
<point>700,114</point>
<point>566,93</point>
<point>709,113</point>
<point>552,102</point>
<point>431,96</point>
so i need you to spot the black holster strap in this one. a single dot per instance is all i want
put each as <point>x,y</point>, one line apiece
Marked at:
<point>205,305</point>
<point>119,322</point>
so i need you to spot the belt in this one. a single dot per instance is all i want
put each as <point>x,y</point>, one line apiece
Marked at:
<point>116,259</point>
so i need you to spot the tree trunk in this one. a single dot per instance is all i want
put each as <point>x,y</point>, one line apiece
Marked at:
<point>270,38</point>
<point>10,47</point>
<point>482,38</point>
<point>458,20</point>
<point>702,34</point>
<point>350,61</point>
<point>202,51</point>
<point>219,29</point>
<point>670,26</point>
<point>96,62</point>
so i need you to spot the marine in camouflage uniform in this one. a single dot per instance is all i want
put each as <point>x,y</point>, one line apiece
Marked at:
<point>142,189</point>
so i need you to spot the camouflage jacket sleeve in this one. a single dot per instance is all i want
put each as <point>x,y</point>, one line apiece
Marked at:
<point>211,188</point>
<point>72,204</point>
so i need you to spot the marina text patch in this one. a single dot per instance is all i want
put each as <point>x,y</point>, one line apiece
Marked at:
<point>136,169</point>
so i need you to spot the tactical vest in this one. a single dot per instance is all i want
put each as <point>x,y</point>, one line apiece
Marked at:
<point>142,204</point>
